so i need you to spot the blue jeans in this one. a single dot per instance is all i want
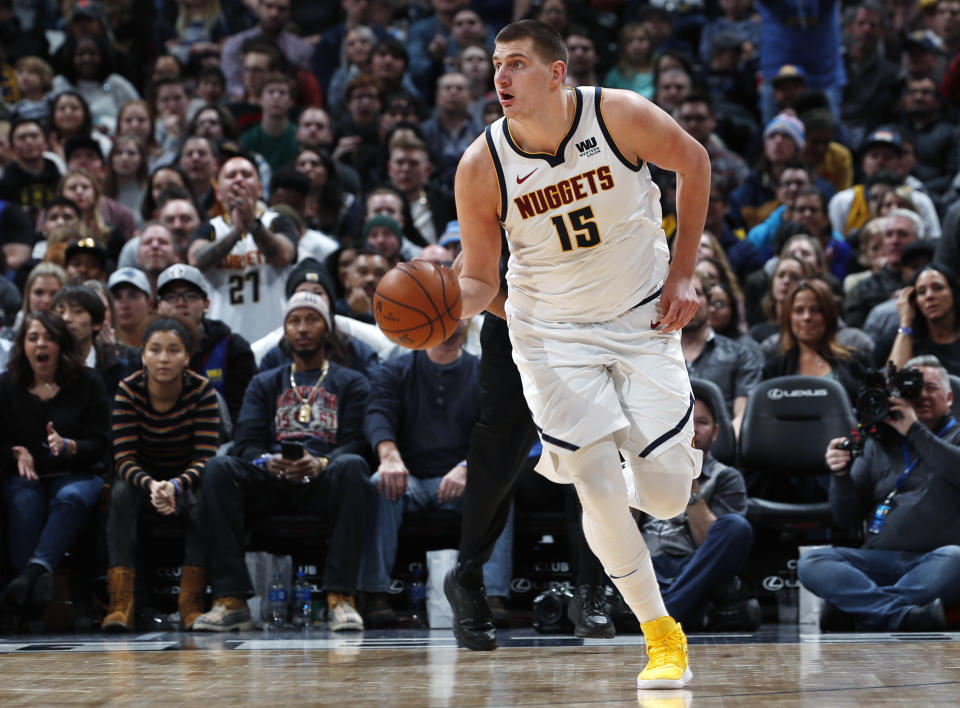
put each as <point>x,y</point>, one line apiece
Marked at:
<point>45,517</point>
<point>380,542</point>
<point>685,580</point>
<point>879,587</point>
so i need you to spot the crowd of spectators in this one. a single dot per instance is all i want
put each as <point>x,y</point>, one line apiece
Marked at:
<point>178,176</point>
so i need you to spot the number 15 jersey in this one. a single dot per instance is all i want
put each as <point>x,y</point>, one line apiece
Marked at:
<point>583,225</point>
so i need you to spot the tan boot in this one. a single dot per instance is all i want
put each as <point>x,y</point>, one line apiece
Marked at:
<point>193,583</point>
<point>120,616</point>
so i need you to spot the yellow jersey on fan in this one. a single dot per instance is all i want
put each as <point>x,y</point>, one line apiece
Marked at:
<point>583,224</point>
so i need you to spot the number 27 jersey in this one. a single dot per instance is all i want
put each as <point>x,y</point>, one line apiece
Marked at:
<point>583,225</point>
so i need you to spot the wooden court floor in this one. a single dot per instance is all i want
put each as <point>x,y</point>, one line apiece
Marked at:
<point>773,667</point>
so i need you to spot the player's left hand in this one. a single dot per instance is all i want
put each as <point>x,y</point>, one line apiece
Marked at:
<point>452,485</point>
<point>678,303</point>
<point>907,417</point>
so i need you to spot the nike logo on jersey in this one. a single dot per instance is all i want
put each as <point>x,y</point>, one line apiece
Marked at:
<point>521,180</point>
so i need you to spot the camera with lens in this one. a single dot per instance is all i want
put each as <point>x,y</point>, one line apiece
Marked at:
<point>550,611</point>
<point>876,390</point>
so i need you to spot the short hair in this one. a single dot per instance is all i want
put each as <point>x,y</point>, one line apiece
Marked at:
<point>81,296</point>
<point>698,97</point>
<point>278,77</point>
<point>392,46</point>
<point>289,178</point>
<point>261,45</point>
<point>212,72</point>
<point>930,361</point>
<point>167,81</point>
<point>178,326</point>
<point>361,81</point>
<point>547,42</point>
<point>36,65</point>
<point>912,216</point>
<point>23,120</point>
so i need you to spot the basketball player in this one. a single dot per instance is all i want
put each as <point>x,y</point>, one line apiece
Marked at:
<point>594,307</point>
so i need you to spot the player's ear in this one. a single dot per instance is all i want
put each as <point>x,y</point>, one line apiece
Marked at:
<point>559,72</point>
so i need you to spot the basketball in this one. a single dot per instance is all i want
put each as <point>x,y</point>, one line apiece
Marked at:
<point>417,304</point>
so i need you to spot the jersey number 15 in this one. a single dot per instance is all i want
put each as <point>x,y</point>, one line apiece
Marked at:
<point>583,226</point>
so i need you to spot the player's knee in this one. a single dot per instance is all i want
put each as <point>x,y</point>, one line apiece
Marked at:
<point>665,489</point>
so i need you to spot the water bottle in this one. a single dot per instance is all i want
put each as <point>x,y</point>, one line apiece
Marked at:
<point>302,602</point>
<point>417,594</point>
<point>278,602</point>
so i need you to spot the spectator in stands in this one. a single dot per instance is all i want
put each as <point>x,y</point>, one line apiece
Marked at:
<point>423,406</point>
<point>84,153</point>
<point>716,358</point>
<point>389,62</point>
<point>430,41</point>
<point>171,103</point>
<point>697,554</point>
<point>808,339</point>
<point>219,355</point>
<point>245,254</point>
<point>947,26</point>
<point>737,20</point>
<point>89,69</point>
<point>357,137</point>
<point>133,296</point>
<point>157,251</point>
<point>291,189</point>
<point>328,53</point>
<point>901,227</point>
<point>165,427</point>
<point>409,166</point>
<point>905,489</point>
<point>383,234</point>
<point>671,85</point>
<point>830,160</point>
<point>83,189</point>
<point>82,310</point>
<point>199,160</point>
<point>936,142</point>
<point>134,119</point>
<point>928,321</point>
<point>330,207</point>
<point>54,422</point>
<point>318,406</point>
<point>634,68</point>
<point>43,282</point>
<point>69,117</point>
<point>790,81</point>
<point>35,81</point>
<point>178,214</point>
<point>787,273</point>
<point>793,178</point>
<point>870,94</point>
<point>160,179</point>
<point>16,235</point>
<point>311,276</point>
<point>126,178</point>
<point>275,136</point>
<point>451,129</point>
<point>85,259</point>
<point>695,115</point>
<point>354,59</point>
<point>810,209</point>
<point>880,155</point>
<point>581,67</point>
<point>314,131</point>
<point>743,256</point>
<point>29,179</point>
<point>272,19</point>
<point>364,275</point>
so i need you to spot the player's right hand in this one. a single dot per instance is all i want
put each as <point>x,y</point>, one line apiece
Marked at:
<point>678,303</point>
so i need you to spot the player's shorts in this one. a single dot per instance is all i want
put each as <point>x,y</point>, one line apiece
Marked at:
<point>585,381</point>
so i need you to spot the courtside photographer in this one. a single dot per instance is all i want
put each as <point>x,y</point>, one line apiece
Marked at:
<point>904,489</point>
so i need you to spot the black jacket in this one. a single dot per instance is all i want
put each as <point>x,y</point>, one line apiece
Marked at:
<point>240,363</point>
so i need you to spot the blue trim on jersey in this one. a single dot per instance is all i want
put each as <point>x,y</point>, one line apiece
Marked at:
<point>557,159</point>
<point>608,137</point>
<point>670,433</point>
<point>499,169</point>
<point>557,441</point>
<point>649,298</point>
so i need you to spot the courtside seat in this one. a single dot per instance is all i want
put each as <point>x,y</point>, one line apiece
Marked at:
<point>724,448</point>
<point>786,427</point>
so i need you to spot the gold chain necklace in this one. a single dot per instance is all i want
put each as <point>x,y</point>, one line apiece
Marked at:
<point>304,411</point>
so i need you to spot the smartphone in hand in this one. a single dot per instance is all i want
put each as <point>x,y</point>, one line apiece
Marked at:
<point>291,450</point>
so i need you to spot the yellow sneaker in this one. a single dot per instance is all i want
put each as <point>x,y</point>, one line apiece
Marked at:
<point>343,613</point>
<point>667,649</point>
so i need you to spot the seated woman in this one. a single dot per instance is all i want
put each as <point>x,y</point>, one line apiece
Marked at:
<point>725,319</point>
<point>928,321</point>
<point>165,428</point>
<point>54,418</point>
<point>788,272</point>
<point>808,338</point>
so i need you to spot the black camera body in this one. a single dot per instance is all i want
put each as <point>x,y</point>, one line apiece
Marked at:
<point>550,611</point>
<point>876,390</point>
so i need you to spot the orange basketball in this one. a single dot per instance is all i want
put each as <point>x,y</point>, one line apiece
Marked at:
<point>417,304</point>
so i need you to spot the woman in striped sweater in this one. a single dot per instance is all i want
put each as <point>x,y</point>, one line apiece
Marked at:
<point>165,423</point>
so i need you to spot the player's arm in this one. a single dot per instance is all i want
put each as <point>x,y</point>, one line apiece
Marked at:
<point>478,195</point>
<point>643,131</point>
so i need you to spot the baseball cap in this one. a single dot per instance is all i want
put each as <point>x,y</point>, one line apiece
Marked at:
<point>86,245</point>
<point>186,273</point>
<point>789,72</point>
<point>883,136</point>
<point>81,142</point>
<point>788,125</point>
<point>310,301</point>
<point>130,276</point>
<point>310,270</point>
<point>925,40</point>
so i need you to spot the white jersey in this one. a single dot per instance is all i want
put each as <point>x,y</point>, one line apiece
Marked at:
<point>583,225</point>
<point>248,294</point>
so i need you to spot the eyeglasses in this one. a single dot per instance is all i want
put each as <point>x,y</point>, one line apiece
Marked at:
<point>794,183</point>
<point>188,296</point>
